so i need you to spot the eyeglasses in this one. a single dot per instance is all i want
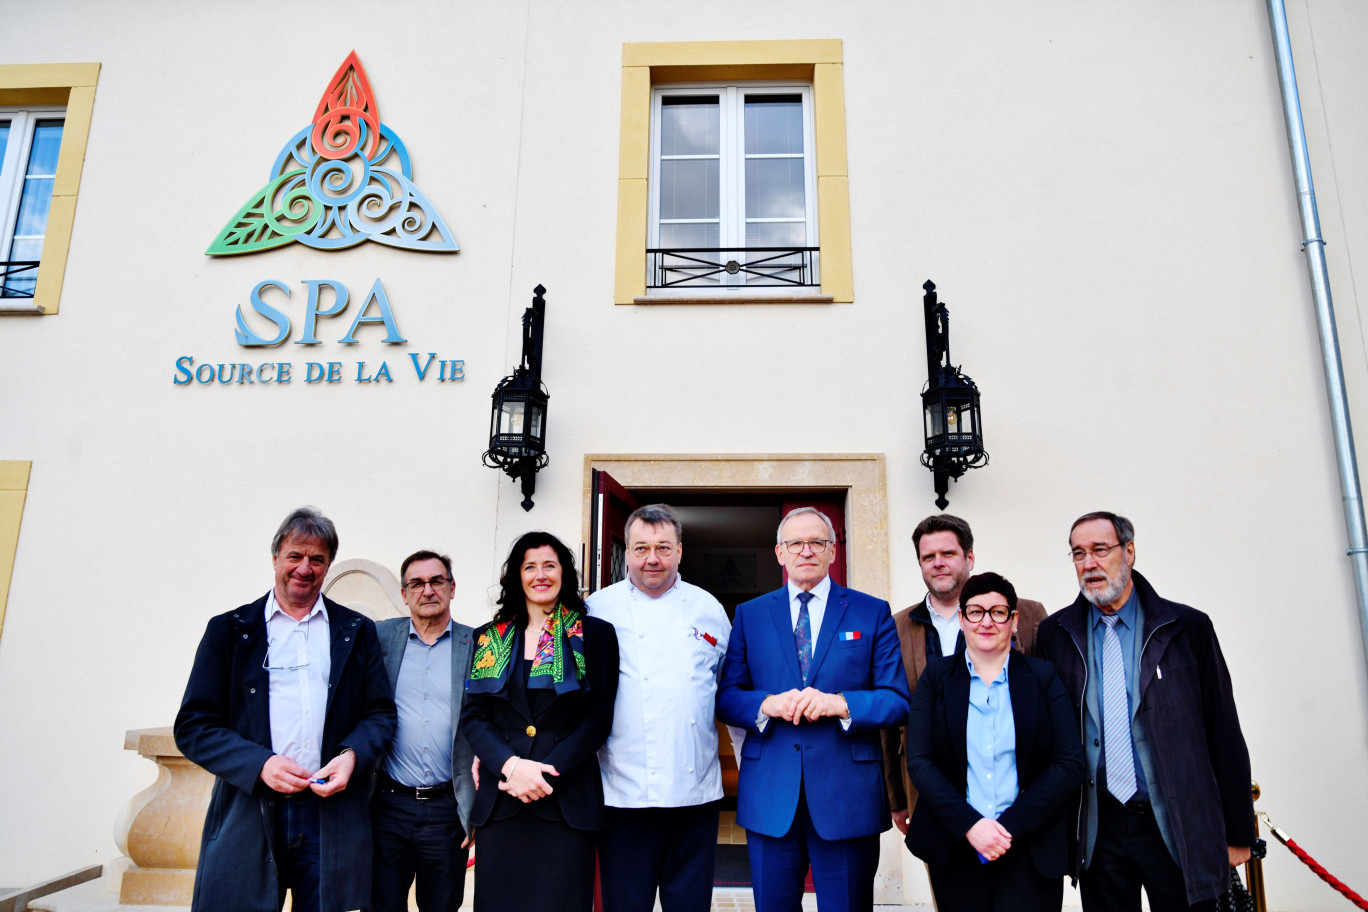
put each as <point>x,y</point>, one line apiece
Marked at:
<point>1099,552</point>
<point>1000,614</point>
<point>818,545</point>
<point>438,584</point>
<point>664,552</point>
<point>301,652</point>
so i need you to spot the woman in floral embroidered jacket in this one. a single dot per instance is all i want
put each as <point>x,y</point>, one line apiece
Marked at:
<point>538,706</point>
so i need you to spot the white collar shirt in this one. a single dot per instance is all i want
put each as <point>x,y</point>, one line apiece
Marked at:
<point>298,659</point>
<point>662,751</point>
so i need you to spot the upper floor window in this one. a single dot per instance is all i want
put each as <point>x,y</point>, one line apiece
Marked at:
<point>760,108</point>
<point>733,187</point>
<point>29,142</point>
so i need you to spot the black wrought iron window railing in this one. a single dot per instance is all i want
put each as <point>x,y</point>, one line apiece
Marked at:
<point>18,278</point>
<point>731,267</point>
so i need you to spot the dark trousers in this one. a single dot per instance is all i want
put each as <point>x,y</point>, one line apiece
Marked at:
<point>842,869</point>
<point>673,849</point>
<point>1130,853</point>
<point>298,851</point>
<point>1010,884</point>
<point>422,839</point>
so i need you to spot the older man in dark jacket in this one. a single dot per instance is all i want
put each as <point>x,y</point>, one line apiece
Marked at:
<point>287,705</point>
<point>1167,802</point>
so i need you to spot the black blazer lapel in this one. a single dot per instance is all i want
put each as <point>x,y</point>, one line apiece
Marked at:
<point>249,649</point>
<point>1025,691</point>
<point>1159,628</point>
<point>957,717</point>
<point>517,682</point>
<point>344,625</point>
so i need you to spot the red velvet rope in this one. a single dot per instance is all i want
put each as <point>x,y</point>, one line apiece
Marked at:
<point>1325,875</point>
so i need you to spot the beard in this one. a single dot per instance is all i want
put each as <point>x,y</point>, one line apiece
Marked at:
<point>944,587</point>
<point>1112,592</point>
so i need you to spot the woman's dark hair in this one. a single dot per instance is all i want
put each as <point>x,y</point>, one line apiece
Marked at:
<point>512,600</point>
<point>981,583</point>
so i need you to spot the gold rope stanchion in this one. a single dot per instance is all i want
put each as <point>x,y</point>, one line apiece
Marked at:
<point>1254,881</point>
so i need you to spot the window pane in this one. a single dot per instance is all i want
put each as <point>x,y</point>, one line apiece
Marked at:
<point>689,125</point>
<point>774,188</point>
<point>774,124</point>
<point>33,207</point>
<point>4,137</point>
<point>689,235</point>
<point>776,234</point>
<point>47,138</point>
<point>689,189</point>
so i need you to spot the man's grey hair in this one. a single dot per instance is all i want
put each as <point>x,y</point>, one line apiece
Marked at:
<point>1125,529</point>
<point>826,521</point>
<point>309,524</point>
<point>654,515</point>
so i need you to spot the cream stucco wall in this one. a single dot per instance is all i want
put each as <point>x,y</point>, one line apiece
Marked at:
<point>1100,191</point>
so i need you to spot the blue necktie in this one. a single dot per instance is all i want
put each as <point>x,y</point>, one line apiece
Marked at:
<point>802,635</point>
<point>1116,715</point>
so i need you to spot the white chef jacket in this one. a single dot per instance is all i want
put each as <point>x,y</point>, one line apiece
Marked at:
<point>663,748</point>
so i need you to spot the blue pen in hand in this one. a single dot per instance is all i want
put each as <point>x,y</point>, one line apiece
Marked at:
<point>319,781</point>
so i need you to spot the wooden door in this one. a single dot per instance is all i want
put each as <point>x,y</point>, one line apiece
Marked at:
<point>610,504</point>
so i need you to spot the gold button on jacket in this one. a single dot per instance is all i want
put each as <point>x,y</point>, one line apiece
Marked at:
<point>531,731</point>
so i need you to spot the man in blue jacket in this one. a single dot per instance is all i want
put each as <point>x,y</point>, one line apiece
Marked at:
<point>812,673</point>
<point>287,705</point>
<point>1166,805</point>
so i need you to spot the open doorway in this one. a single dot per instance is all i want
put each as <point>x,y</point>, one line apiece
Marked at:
<point>728,535</point>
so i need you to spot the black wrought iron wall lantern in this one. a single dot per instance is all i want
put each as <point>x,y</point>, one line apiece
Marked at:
<point>950,405</point>
<point>517,423</point>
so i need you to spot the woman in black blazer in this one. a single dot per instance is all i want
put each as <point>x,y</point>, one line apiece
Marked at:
<point>538,706</point>
<point>991,843</point>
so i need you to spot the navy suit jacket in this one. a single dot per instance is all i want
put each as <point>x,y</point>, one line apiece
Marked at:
<point>1049,762</point>
<point>838,772</point>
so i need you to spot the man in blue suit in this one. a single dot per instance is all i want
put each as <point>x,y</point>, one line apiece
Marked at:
<point>812,673</point>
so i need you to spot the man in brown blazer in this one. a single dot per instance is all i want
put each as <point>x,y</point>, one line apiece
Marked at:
<point>930,628</point>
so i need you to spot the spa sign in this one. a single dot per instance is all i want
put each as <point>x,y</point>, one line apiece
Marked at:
<point>343,179</point>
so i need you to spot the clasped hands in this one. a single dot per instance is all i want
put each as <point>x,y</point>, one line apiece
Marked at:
<point>281,774</point>
<point>809,703</point>
<point>989,838</point>
<point>522,778</point>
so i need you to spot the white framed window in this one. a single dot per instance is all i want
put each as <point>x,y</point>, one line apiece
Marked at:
<point>733,187</point>
<point>29,142</point>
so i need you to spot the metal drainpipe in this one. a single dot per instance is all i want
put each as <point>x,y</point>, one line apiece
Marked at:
<point>1314,245</point>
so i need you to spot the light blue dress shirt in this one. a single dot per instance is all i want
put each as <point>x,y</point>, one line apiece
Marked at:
<point>947,629</point>
<point>420,754</point>
<point>990,741</point>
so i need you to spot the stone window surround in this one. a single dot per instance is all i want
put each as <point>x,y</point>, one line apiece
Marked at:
<point>73,85</point>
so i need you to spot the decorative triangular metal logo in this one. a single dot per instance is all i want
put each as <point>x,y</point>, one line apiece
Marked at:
<point>343,179</point>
